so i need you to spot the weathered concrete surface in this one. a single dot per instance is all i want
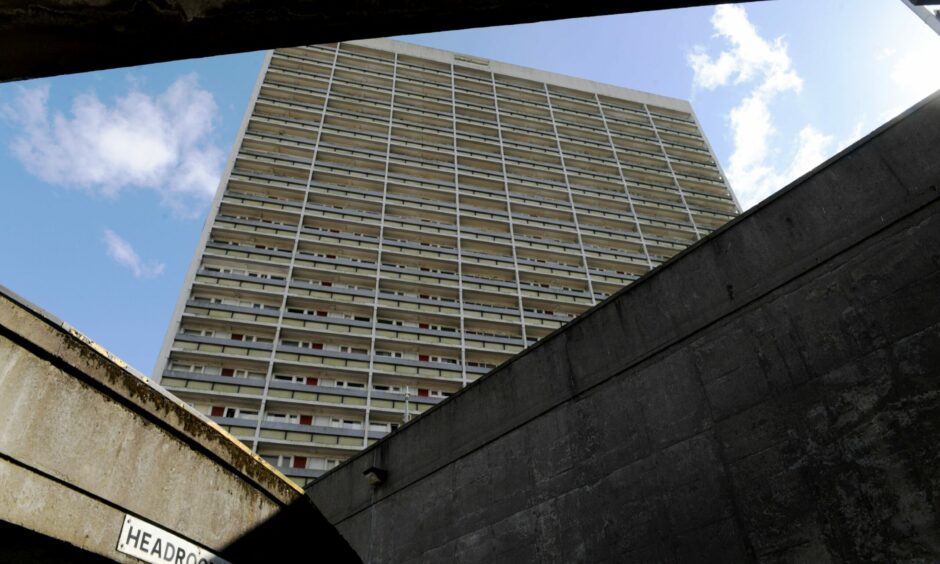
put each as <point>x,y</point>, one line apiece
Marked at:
<point>771,394</point>
<point>49,37</point>
<point>84,440</point>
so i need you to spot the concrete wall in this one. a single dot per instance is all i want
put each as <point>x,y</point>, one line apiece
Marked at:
<point>771,394</point>
<point>85,441</point>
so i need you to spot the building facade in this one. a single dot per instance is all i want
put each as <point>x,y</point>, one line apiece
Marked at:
<point>395,221</point>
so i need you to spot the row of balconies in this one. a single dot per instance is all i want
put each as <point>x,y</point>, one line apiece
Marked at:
<point>312,396</point>
<point>698,179</point>
<point>445,253</point>
<point>269,178</point>
<point>469,235</point>
<point>332,322</point>
<point>437,206</point>
<point>338,362</point>
<point>356,217</point>
<point>477,319</point>
<point>445,214</point>
<point>500,85</point>
<point>692,168</point>
<point>670,118</point>
<point>628,125</point>
<point>539,148</point>
<point>285,392</point>
<point>381,157</point>
<point>494,296</point>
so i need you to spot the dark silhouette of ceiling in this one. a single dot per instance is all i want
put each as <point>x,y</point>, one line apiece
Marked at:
<point>51,37</point>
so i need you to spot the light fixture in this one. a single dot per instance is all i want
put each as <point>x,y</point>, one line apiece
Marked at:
<point>375,475</point>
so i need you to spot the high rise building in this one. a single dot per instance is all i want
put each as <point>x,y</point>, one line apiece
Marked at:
<point>395,221</point>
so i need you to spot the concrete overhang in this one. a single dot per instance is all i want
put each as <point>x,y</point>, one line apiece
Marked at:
<point>53,37</point>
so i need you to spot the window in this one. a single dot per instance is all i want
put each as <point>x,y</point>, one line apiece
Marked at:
<point>198,332</point>
<point>300,462</point>
<point>242,272</point>
<point>239,413</point>
<point>248,374</point>
<point>251,338</point>
<point>193,368</point>
<point>347,384</point>
<point>345,423</point>
<point>441,359</point>
<point>282,417</point>
<point>296,379</point>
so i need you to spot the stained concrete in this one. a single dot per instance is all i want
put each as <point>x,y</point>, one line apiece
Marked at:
<point>771,395</point>
<point>85,441</point>
<point>50,37</point>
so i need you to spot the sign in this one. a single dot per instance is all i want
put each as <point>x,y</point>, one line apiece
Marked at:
<point>152,544</point>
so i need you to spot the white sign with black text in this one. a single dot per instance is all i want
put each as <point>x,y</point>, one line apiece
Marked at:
<point>150,543</point>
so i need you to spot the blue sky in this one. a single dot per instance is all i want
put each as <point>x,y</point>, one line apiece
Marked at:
<point>107,177</point>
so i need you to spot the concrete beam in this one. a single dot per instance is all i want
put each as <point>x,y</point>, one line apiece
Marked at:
<point>87,444</point>
<point>770,394</point>
<point>51,37</point>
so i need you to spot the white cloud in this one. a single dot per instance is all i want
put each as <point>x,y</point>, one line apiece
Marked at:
<point>124,254</point>
<point>909,82</point>
<point>853,135</point>
<point>768,70</point>
<point>913,74</point>
<point>813,147</point>
<point>885,53</point>
<point>750,56</point>
<point>158,142</point>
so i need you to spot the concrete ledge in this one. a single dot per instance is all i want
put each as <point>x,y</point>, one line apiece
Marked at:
<point>86,441</point>
<point>720,406</point>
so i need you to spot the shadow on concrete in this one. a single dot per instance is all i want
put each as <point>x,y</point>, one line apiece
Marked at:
<point>299,528</point>
<point>19,544</point>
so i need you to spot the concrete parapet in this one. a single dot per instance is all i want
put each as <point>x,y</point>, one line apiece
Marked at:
<point>92,453</point>
<point>771,394</point>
